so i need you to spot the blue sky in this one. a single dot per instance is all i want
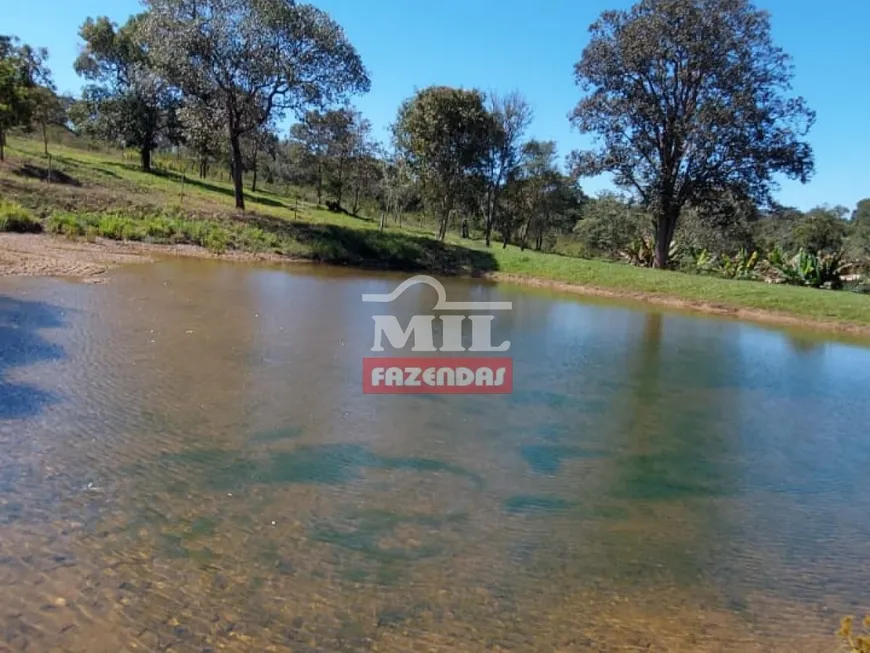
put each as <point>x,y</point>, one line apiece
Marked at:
<point>515,44</point>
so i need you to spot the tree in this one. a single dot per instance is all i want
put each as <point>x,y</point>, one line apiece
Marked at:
<point>260,141</point>
<point>345,132</point>
<point>861,214</point>
<point>127,99</point>
<point>609,225</point>
<point>539,176</point>
<point>202,132</point>
<point>365,170</point>
<point>48,109</point>
<point>255,59</point>
<point>822,230</point>
<point>689,99</point>
<point>511,116</point>
<point>22,70</point>
<point>313,136</point>
<point>397,185</point>
<point>444,133</point>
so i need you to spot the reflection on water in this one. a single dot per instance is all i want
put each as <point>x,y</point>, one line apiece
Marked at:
<point>190,465</point>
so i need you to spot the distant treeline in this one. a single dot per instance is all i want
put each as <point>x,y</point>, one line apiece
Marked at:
<point>688,99</point>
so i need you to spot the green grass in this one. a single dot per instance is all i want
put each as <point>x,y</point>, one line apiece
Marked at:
<point>17,219</point>
<point>817,305</point>
<point>99,193</point>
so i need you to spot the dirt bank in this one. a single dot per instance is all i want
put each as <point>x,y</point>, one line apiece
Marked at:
<point>49,256</point>
<point>42,255</point>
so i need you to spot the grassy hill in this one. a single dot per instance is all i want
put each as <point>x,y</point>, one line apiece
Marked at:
<point>98,193</point>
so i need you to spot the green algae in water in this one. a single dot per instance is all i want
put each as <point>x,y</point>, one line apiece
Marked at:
<point>170,545</point>
<point>522,504</point>
<point>330,464</point>
<point>547,459</point>
<point>278,435</point>
<point>671,477</point>
<point>355,575</point>
<point>202,527</point>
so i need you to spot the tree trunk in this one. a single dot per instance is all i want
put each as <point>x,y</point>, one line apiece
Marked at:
<point>256,161</point>
<point>446,209</point>
<point>145,155</point>
<point>356,200</point>
<point>320,183</point>
<point>238,180</point>
<point>525,237</point>
<point>45,137</point>
<point>666,222</point>
<point>490,218</point>
<point>2,145</point>
<point>340,192</point>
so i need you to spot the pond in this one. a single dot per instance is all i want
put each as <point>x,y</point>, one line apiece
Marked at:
<point>190,464</point>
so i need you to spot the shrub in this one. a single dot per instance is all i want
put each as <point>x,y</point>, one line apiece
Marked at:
<point>216,240</point>
<point>806,269</point>
<point>161,230</point>
<point>66,224</point>
<point>16,218</point>
<point>116,227</point>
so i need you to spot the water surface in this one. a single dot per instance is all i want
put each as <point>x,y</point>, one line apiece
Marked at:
<point>189,464</point>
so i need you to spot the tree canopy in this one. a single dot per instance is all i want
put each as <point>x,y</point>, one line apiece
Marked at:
<point>689,99</point>
<point>126,99</point>
<point>444,133</point>
<point>254,59</point>
<point>22,71</point>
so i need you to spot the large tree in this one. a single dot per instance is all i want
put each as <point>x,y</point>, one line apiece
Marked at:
<point>689,99</point>
<point>126,99</point>
<point>444,134</point>
<point>255,59</point>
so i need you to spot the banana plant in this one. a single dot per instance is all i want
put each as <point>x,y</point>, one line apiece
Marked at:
<point>808,269</point>
<point>740,266</point>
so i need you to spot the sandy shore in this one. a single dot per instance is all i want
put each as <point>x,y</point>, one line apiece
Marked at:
<point>42,255</point>
<point>47,256</point>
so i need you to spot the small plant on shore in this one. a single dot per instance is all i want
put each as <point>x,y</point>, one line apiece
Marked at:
<point>740,266</point>
<point>17,219</point>
<point>642,252</point>
<point>66,224</point>
<point>704,261</point>
<point>855,642</point>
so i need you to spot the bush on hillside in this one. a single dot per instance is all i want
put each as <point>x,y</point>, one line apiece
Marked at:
<point>17,219</point>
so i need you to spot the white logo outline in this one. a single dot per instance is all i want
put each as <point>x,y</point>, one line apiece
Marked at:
<point>442,304</point>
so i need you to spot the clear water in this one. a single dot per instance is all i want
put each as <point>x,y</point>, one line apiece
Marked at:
<point>188,464</point>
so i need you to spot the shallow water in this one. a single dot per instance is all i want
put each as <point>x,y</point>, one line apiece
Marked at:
<point>189,464</point>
